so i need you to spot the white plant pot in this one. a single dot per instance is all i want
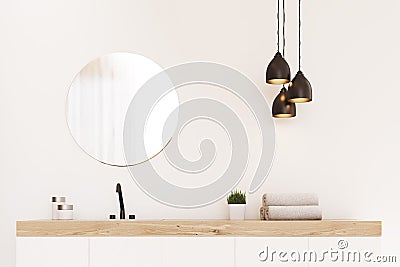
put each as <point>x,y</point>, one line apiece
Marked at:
<point>237,211</point>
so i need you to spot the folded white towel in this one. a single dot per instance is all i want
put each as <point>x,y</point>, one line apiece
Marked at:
<point>263,213</point>
<point>293,213</point>
<point>290,199</point>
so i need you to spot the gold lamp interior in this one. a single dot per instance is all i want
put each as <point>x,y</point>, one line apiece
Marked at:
<point>283,115</point>
<point>300,100</point>
<point>278,81</point>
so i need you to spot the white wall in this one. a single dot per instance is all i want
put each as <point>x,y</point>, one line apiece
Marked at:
<point>342,146</point>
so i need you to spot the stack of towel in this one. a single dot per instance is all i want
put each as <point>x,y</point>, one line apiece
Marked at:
<point>290,206</point>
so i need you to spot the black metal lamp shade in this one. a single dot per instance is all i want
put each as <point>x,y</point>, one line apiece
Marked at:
<point>300,90</point>
<point>281,108</point>
<point>278,71</point>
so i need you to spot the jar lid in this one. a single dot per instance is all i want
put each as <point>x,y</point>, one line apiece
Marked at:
<point>65,207</point>
<point>58,199</point>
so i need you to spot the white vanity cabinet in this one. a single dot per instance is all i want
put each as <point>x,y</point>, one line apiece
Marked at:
<point>125,251</point>
<point>264,251</point>
<point>161,251</point>
<point>52,251</point>
<point>191,251</point>
<point>199,252</point>
<point>306,251</point>
<point>351,251</point>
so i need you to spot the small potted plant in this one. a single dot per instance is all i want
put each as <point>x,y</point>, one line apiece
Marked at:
<point>237,205</point>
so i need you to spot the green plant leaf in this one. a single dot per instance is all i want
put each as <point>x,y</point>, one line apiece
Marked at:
<point>236,197</point>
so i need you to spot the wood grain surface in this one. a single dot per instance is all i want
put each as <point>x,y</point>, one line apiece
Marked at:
<point>198,228</point>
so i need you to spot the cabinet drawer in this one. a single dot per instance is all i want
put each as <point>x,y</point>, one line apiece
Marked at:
<point>345,251</point>
<point>125,251</point>
<point>268,251</point>
<point>52,251</point>
<point>198,252</point>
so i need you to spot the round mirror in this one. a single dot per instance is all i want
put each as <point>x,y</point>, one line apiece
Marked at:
<point>97,103</point>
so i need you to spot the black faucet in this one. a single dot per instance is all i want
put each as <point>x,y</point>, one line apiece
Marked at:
<point>121,202</point>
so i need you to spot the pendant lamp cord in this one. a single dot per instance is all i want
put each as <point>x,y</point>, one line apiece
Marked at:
<point>299,34</point>
<point>283,30</point>
<point>277,32</point>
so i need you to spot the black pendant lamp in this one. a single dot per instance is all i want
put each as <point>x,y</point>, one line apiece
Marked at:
<point>281,108</point>
<point>300,90</point>
<point>278,71</point>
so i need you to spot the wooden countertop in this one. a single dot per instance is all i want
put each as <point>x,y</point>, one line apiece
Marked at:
<point>199,228</point>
